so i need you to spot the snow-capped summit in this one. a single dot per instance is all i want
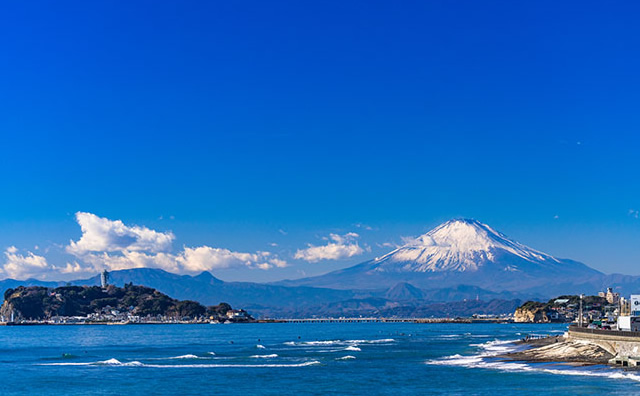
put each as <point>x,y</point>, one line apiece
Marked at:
<point>457,245</point>
<point>460,252</point>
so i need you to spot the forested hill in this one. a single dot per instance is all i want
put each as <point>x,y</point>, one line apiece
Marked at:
<point>37,302</point>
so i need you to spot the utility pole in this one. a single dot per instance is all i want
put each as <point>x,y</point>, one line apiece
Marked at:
<point>580,317</point>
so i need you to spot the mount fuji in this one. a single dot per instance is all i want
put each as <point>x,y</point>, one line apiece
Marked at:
<point>459,261</point>
<point>459,252</point>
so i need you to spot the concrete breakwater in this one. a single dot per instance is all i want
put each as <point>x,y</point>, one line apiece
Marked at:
<point>617,343</point>
<point>584,346</point>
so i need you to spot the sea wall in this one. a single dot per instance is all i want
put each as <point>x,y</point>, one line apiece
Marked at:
<point>622,343</point>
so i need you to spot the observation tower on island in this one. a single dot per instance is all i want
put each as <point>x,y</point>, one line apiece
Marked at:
<point>104,278</point>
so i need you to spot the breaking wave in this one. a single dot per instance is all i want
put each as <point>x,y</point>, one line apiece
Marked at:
<point>352,348</point>
<point>117,363</point>
<point>496,347</point>
<point>486,360</point>
<point>108,362</point>
<point>339,342</point>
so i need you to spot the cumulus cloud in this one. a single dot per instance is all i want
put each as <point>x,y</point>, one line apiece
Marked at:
<point>339,247</point>
<point>113,245</point>
<point>100,234</point>
<point>205,258</point>
<point>19,266</point>
<point>110,244</point>
<point>189,260</point>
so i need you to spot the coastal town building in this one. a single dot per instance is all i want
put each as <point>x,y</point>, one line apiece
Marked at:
<point>612,298</point>
<point>238,314</point>
<point>634,305</point>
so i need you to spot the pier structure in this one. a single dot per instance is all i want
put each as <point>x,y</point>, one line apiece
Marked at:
<point>389,320</point>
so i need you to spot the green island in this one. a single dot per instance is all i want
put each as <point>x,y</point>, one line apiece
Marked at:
<point>108,305</point>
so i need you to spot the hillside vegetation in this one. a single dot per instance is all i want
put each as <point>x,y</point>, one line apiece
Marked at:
<point>36,302</point>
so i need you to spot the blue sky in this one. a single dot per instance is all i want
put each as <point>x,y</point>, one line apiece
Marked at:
<point>242,126</point>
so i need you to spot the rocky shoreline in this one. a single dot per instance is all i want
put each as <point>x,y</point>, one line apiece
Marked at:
<point>558,349</point>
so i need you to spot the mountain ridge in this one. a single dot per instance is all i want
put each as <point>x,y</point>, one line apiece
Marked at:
<point>459,260</point>
<point>459,251</point>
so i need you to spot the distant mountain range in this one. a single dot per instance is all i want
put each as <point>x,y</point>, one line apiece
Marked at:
<point>460,252</point>
<point>461,260</point>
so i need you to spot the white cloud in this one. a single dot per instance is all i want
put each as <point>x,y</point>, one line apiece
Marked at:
<point>387,245</point>
<point>24,266</point>
<point>100,234</point>
<point>18,266</point>
<point>407,239</point>
<point>364,226</point>
<point>634,213</point>
<point>339,247</point>
<point>190,260</point>
<point>73,268</point>
<point>206,258</point>
<point>110,244</point>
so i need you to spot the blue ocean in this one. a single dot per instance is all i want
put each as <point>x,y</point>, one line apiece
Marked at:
<point>283,358</point>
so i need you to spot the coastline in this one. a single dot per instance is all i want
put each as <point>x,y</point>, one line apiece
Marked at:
<point>296,320</point>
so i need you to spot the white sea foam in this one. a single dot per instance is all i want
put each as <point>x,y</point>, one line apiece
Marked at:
<point>480,362</point>
<point>108,362</point>
<point>260,346</point>
<point>305,364</point>
<point>381,341</point>
<point>315,343</point>
<point>273,355</point>
<point>465,335</point>
<point>490,349</point>
<point>352,348</point>
<point>348,357</point>
<point>496,347</point>
<point>117,363</point>
<point>187,356</point>
<point>339,342</point>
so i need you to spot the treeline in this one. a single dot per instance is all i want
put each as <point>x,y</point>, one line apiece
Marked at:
<point>588,302</point>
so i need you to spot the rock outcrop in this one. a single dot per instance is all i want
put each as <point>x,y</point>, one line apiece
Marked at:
<point>532,313</point>
<point>561,350</point>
